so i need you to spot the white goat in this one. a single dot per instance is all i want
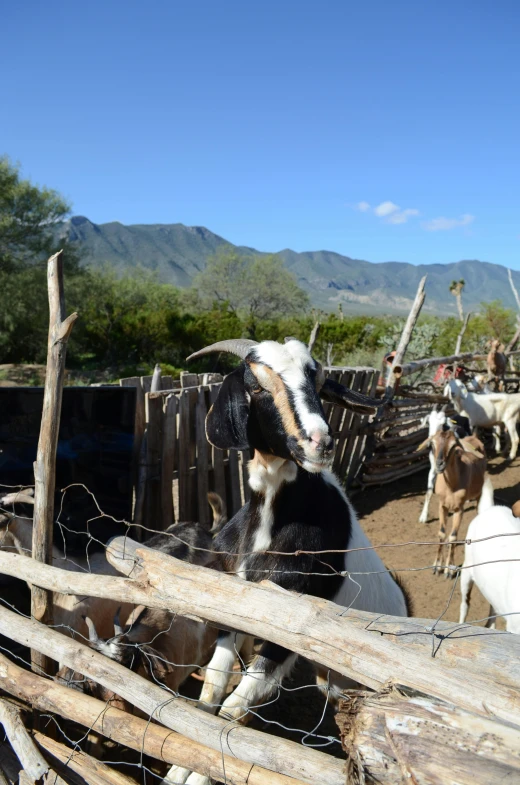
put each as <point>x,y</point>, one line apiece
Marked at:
<point>499,582</point>
<point>434,422</point>
<point>484,411</point>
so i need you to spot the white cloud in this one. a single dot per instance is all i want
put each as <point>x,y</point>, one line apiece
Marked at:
<point>401,216</point>
<point>444,224</point>
<point>385,208</point>
<point>363,207</point>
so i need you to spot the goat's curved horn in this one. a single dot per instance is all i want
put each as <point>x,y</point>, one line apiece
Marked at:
<point>118,630</point>
<point>239,346</point>
<point>92,634</point>
<point>333,392</point>
<point>135,616</point>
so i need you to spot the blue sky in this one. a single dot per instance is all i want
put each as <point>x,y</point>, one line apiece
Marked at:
<point>381,130</point>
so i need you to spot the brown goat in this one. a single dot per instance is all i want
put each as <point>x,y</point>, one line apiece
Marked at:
<point>460,465</point>
<point>496,361</point>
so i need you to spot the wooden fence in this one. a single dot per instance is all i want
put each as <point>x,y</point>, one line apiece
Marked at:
<point>176,467</point>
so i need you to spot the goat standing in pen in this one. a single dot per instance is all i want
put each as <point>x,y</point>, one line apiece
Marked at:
<point>436,421</point>
<point>492,562</point>
<point>485,411</point>
<point>298,523</point>
<point>460,466</point>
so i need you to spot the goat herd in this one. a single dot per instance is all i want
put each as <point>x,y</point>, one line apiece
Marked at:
<point>298,530</point>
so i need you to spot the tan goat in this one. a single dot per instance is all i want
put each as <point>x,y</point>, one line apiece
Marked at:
<point>496,362</point>
<point>460,465</point>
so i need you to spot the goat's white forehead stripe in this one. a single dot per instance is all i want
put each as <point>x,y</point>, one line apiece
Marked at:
<point>283,357</point>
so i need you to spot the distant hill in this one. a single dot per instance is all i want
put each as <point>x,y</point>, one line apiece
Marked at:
<point>177,253</point>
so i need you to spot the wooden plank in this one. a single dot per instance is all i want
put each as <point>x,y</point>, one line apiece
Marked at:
<point>184,456</point>
<point>343,438</point>
<point>146,383</point>
<point>166,382</point>
<point>204,515</point>
<point>338,414</point>
<point>168,457</point>
<point>219,477</point>
<point>189,379</point>
<point>193,476</point>
<point>153,518</point>
<point>140,420</point>
<point>360,438</point>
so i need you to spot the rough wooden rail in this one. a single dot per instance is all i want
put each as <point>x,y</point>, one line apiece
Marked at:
<point>397,737</point>
<point>138,734</point>
<point>474,668</point>
<point>252,746</point>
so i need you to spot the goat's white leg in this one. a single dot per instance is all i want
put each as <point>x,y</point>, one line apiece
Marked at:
<point>429,493</point>
<point>450,569</point>
<point>466,584</point>
<point>198,779</point>
<point>264,676</point>
<point>220,670</point>
<point>496,436</point>
<point>443,514</point>
<point>513,435</point>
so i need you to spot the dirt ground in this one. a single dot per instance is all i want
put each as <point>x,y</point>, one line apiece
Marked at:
<point>390,515</point>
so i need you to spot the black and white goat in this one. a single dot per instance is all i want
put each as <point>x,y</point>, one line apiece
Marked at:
<point>298,522</point>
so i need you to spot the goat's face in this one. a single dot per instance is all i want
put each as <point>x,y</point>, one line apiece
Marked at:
<point>271,403</point>
<point>443,445</point>
<point>455,390</point>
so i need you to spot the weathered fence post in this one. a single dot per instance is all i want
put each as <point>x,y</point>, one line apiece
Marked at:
<point>395,371</point>
<point>60,327</point>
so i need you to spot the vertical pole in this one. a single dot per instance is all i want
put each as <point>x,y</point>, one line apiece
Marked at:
<point>60,327</point>
<point>396,370</point>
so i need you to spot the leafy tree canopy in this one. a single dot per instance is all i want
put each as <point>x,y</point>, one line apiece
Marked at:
<point>255,288</point>
<point>27,217</point>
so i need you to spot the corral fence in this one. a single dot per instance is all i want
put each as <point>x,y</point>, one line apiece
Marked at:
<point>176,467</point>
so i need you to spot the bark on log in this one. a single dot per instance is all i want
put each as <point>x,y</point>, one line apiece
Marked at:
<point>91,770</point>
<point>463,329</point>
<point>476,668</point>
<point>285,757</point>
<point>138,734</point>
<point>314,336</point>
<point>31,759</point>
<point>393,376</point>
<point>60,326</point>
<point>397,737</point>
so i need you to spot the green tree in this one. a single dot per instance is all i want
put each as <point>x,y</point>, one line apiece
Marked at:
<point>28,217</point>
<point>254,288</point>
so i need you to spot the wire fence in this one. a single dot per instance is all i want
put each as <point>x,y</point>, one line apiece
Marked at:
<point>298,709</point>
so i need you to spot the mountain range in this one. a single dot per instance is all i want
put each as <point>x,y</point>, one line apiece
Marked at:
<point>177,253</point>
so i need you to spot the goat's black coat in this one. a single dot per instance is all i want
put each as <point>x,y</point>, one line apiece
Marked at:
<point>309,515</point>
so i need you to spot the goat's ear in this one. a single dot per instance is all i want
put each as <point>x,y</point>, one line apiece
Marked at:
<point>333,392</point>
<point>226,423</point>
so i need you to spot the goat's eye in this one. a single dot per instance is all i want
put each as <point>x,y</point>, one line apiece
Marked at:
<point>257,390</point>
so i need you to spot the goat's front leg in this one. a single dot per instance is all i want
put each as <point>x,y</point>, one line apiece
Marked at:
<point>218,674</point>
<point>423,518</point>
<point>450,569</point>
<point>513,435</point>
<point>263,678</point>
<point>443,514</point>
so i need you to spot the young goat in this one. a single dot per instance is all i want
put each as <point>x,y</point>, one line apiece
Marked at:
<point>460,466</point>
<point>499,582</point>
<point>496,362</point>
<point>271,404</point>
<point>485,411</point>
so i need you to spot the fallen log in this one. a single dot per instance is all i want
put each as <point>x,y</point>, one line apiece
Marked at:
<point>89,769</point>
<point>397,459</point>
<point>411,367</point>
<point>357,644</point>
<point>381,478</point>
<point>138,734</point>
<point>397,736</point>
<point>285,757</point>
<point>33,763</point>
